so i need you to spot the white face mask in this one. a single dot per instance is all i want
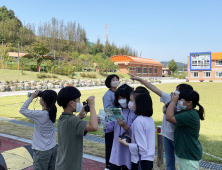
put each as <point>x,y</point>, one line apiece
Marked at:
<point>123,103</point>
<point>78,107</point>
<point>180,106</point>
<point>177,92</point>
<point>130,106</point>
<point>115,84</point>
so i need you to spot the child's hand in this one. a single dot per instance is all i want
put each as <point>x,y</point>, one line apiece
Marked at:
<point>122,141</point>
<point>82,113</point>
<point>91,101</point>
<point>98,119</point>
<point>120,122</point>
<point>174,97</point>
<point>164,109</point>
<point>134,77</point>
<point>35,94</point>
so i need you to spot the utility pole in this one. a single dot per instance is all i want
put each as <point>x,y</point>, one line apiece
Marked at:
<point>183,65</point>
<point>106,32</point>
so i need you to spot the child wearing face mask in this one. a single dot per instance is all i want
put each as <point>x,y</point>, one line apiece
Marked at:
<point>167,130</point>
<point>71,128</point>
<point>44,140</point>
<point>111,82</point>
<point>187,127</point>
<point>143,131</point>
<point>120,154</point>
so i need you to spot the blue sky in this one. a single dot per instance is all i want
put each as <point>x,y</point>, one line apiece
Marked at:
<point>160,29</point>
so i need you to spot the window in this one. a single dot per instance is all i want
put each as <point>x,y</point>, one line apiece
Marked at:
<point>134,68</point>
<point>219,74</point>
<point>150,70</point>
<point>206,74</point>
<point>218,62</point>
<point>194,74</point>
<point>138,70</point>
<point>144,70</point>
<point>154,70</point>
<point>131,68</point>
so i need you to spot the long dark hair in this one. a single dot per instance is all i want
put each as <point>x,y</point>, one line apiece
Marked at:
<point>49,97</point>
<point>190,95</point>
<point>123,91</point>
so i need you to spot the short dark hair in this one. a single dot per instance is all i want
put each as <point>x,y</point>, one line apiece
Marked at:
<point>66,95</point>
<point>123,91</point>
<point>144,105</point>
<point>183,86</point>
<point>108,80</point>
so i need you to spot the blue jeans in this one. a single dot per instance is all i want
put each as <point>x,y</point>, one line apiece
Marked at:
<point>169,153</point>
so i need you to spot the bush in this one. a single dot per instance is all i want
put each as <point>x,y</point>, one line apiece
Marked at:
<point>54,76</point>
<point>201,80</point>
<point>187,80</point>
<point>210,80</point>
<point>163,75</point>
<point>82,74</point>
<point>91,75</point>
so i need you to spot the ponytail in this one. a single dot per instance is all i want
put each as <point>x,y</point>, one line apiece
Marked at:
<point>50,96</point>
<point>52,112</point>
<point>200,111</point>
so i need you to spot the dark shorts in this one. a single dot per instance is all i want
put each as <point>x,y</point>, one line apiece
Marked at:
<point>44,160</point>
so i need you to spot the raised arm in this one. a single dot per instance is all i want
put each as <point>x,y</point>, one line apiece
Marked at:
<point>93,124</point>
<point>147,84</point>
<point>170,110</point>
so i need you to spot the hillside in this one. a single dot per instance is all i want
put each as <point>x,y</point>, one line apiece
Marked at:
<point>179,64</point>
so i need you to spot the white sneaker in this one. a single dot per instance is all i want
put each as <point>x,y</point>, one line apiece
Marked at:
<point>106,169</point>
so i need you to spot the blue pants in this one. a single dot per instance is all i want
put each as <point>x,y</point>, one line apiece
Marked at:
<point>169,153</point>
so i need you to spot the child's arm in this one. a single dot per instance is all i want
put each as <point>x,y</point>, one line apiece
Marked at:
<point>92,125</point>
<point>147,84</point>
<point>34,115</point>
<point>170,110</point>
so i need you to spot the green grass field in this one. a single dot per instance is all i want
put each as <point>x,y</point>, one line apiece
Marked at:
<point>210,99</point>
<point>30,75</point>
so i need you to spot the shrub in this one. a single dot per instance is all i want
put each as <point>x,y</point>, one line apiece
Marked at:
<point>54,76</point>
<point>91,75</point>
<point>42,75</point>
<point>187,80</point>
<point>82,74</point>
<point>159,81</point>
<point>201,80</point>
<point>163,75</point>
<point>210,80</point>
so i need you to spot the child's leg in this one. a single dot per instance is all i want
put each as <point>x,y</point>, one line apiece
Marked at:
<point>41,159</point>
<point>53,158</point>
<point>108,145</point>
<point>184,164</point>
<point>169,153</point>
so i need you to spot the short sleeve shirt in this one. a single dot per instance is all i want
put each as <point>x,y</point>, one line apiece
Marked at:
<point>71,130</point>
<point>167,127</point>
<point>186,134</point>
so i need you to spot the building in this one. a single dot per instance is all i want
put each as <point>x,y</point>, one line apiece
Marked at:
<point>138,66</point>
<point>204,66</point>
<point>166,72</point>
<point>27,55</point>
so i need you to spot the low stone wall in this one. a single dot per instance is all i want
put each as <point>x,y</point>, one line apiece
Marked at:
<point>56,84</point>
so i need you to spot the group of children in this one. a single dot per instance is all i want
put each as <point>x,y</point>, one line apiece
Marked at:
<point>180,127</point>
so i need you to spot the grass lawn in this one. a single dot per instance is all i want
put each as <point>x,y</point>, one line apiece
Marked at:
<point>210,95</point>
<point>30,75</point>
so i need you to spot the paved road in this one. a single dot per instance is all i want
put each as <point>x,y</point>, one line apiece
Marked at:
<point>15,93</point>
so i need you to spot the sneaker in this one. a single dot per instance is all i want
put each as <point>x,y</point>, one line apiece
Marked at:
<point>106,169</point>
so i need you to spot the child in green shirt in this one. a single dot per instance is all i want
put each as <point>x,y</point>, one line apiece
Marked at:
<point>187,127</point>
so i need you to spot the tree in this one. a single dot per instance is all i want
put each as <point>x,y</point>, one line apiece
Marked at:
<point>38,52</point>
<point>4,53</point>
<point>49,65</point>
<point>75,55</point>
<point>172,66</point>
<point>22,62</point>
